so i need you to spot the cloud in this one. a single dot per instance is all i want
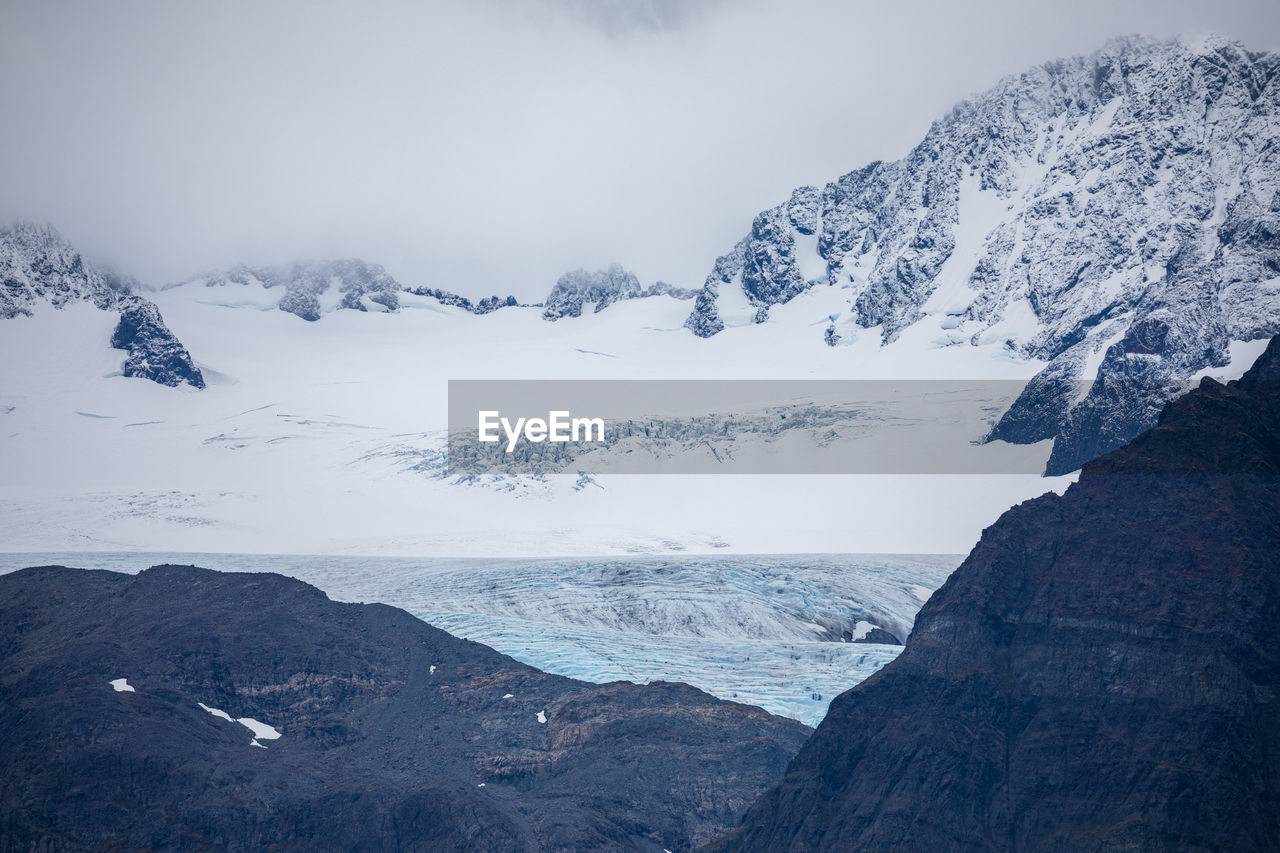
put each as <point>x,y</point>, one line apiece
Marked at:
<point>488,146</point>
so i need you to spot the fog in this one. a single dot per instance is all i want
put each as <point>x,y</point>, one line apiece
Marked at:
<point>488,146</point>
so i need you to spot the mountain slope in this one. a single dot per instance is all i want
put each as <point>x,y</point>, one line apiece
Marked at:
<point>1101,673</point>
<point>39,267</point>
<point>1115,215</point>
<point>188,709</point>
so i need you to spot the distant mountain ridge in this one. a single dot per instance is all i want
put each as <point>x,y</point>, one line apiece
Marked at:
<point>348,283</point>
<point>1116,215</point>
<point>601,288</point>
<point>312,288</point>
<point>1101,673</point>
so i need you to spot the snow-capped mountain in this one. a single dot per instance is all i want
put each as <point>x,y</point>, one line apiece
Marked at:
<point>1116,216</point>
<point>40,269</point>
<point>601,288</point>
<point>38,266</point>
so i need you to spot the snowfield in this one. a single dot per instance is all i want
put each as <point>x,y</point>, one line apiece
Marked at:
<point>327,436</point>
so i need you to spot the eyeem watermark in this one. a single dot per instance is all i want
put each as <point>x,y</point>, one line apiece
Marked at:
<point>558,427</point>
<point>690,426</point>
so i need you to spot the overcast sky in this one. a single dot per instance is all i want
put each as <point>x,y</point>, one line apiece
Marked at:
<point>487,146</point>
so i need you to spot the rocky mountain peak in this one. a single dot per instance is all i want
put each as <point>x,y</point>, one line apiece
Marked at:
<point>38,265</point>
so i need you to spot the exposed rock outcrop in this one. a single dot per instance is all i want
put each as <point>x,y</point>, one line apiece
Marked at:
<point>154,353</point>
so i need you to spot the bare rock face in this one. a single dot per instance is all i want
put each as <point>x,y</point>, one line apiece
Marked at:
<point>1078,203</point>
<point>1102,672</point>
<point>393,735</point>
<point>154,353</point>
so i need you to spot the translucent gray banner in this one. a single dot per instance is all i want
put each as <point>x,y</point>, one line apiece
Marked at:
<point>735,427</point>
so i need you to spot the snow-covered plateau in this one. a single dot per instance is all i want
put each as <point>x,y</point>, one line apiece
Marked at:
<point>328,437</point>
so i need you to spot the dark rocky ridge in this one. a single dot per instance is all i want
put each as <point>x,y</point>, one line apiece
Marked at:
<point>389,728</point>
<point>1101,673</point>
<point>487,305</point>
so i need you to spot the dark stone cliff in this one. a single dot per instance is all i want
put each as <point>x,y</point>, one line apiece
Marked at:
<point>1102,672</point>
<point>394,735</point>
